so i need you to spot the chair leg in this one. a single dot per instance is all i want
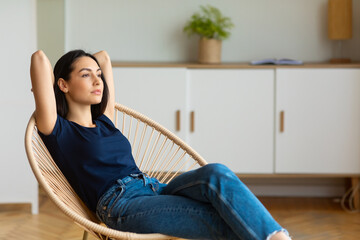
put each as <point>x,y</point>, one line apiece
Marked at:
<point>355,181</point>
<point>85,236</point>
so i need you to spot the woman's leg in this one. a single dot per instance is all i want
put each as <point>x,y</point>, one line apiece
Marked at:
<point>219,186</point>
<point>137,206</point>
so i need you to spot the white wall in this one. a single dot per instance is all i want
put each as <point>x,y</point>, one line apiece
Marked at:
<point>17,43</point>
<point>50,28</point>
<point>143,30</point>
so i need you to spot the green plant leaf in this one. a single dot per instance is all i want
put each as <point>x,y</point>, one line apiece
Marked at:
<point>209,23</point>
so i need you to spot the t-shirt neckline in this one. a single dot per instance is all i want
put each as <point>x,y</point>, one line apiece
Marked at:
<point>95,122</point>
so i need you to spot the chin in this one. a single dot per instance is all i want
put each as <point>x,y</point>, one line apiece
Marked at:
<point>95,102</point>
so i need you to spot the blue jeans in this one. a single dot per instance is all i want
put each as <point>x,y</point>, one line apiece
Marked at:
<point>207,203</point>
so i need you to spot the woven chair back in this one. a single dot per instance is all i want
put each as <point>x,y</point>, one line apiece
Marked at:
<point>157,152</point>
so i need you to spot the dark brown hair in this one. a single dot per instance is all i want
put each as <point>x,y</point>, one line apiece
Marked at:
<point>63,68</point>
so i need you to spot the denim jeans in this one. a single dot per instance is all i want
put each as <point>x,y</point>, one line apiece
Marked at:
<point>207,203</point>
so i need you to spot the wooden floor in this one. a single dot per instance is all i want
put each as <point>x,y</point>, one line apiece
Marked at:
<point>315,218</point>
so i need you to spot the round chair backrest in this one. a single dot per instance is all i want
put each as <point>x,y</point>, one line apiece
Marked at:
<point>157,152</point>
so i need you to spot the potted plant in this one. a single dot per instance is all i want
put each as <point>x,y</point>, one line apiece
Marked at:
<point>212,27</point>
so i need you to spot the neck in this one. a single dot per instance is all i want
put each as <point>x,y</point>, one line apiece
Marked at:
<point>81,116</point>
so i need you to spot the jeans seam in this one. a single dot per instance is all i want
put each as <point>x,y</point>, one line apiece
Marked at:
<point>226,203</point>
<point>167,209</point>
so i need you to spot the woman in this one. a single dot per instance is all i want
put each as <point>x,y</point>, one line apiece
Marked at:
<point>74,115</point>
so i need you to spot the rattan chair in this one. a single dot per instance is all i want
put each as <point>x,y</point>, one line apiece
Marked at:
<point>156,150</point>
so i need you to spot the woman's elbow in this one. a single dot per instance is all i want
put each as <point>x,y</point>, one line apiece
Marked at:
<point>39,55</point>
<point>102,56</point>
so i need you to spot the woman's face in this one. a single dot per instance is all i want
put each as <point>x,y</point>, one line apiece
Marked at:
<point>85,86</point>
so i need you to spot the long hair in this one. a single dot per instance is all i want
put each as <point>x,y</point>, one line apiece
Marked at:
<point>63,68</point>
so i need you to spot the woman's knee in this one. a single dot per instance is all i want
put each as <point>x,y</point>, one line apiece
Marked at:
<point>217,169</point>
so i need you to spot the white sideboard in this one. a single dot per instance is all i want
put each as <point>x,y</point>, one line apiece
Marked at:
<point>233,114</point>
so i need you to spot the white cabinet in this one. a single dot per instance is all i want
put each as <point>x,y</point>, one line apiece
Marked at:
<point>158,93</point>
<point>321,117</point>
<point>237,115</point>
<point>233,117</point>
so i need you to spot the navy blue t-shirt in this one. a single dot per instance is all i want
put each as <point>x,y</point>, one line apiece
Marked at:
<point>91,159</point>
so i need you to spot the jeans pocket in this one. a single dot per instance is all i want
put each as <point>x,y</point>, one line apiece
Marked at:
<point>114,202</point>
<point>155,185</point>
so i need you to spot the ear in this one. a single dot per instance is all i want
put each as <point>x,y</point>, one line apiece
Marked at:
<point>63,85</point>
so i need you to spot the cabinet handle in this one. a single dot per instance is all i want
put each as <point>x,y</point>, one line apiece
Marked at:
<point>282,125</point>
<point>177,127</point>
<point>192,121</point>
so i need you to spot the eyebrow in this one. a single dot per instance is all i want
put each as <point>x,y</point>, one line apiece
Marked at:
<point>88,69</point>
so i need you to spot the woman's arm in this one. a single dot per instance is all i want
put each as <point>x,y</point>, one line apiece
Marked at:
<point>42,80</point>
<point>106,68</point>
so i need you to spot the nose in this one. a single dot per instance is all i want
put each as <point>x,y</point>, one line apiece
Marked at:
<point>97,80</point>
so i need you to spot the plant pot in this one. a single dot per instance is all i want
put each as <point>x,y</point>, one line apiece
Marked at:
<point>209,51</point>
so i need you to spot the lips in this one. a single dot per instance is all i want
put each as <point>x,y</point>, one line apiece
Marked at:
<point>96,92</point>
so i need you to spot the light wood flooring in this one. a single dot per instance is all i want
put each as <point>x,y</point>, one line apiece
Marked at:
<point>305,218</point>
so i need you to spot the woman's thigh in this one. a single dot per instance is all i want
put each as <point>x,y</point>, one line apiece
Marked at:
<point>171,215</point>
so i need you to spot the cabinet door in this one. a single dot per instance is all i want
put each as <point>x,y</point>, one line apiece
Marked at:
<point>234,118</point>
<point>321,121</point>
<point>155,92</point>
